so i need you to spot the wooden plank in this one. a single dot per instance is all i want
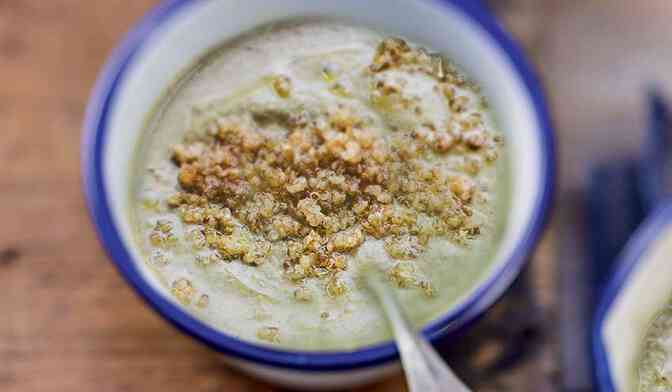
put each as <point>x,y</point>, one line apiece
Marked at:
<point>69,322</point>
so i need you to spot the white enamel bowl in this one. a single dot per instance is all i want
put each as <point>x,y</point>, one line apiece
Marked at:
<point>178,32</point>
<point>639,288</point>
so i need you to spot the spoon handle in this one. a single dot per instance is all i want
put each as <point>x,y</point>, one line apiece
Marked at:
<point>425,369</point>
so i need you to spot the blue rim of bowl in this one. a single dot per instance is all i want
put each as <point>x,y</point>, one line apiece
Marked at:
<point>627,262</point>
<point>95,130</point>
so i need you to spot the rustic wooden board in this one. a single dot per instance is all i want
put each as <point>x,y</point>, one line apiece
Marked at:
<point>68,322</point>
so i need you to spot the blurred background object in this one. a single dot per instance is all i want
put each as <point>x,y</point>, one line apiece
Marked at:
<point>69,323</point>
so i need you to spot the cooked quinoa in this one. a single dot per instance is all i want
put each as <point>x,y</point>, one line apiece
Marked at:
<point>334,180</point>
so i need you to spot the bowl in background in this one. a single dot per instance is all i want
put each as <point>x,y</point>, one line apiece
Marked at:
<point>640,287</point>
<point>169,39</point>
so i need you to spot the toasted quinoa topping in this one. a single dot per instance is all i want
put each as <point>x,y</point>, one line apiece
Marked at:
<point>184,291</point>
<point>203,301</point>
<point>317,183</point>
<point>159,258</point>
<point>303,294</point>
<point>162,235</point>
<point>282,85</point>
<point>269,334</point>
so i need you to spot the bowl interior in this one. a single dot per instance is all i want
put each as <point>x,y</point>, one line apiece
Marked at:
<point>178,38</point>
<point>640,288</point>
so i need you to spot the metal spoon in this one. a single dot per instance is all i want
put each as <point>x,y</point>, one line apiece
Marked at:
<point>424,368</point>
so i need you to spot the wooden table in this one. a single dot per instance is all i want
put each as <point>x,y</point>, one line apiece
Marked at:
<point>68,322</point>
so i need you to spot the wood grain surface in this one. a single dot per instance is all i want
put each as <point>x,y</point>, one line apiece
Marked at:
<point>68,322</point>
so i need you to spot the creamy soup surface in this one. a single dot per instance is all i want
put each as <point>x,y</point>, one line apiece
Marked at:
<point>655,367</point>
<point>286,159</point>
